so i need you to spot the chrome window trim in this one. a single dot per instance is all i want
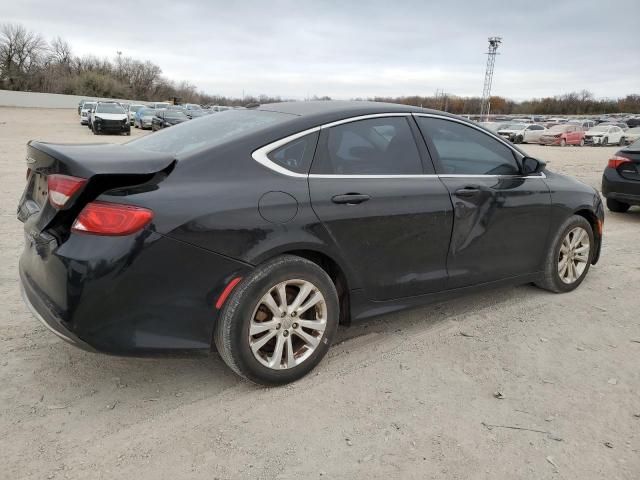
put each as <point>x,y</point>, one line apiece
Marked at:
<point>260,155</point>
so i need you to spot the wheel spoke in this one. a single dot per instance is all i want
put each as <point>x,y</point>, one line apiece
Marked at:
<point>275,361</point>
<point>303,293</point>
<point>584,248</point>
<point>282,296</point>
<point>271,304</point>
<point>309,339</point>
<point>316,325</point>
<point>259,327</point>
<point>291,359</point>
<point>313,300</point>
<point>261,342</point>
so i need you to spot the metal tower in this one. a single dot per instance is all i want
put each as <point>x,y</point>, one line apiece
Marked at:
<point>485,105</point>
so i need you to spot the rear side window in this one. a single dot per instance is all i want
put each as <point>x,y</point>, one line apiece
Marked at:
<point>464,150</point>
<point>377,146</point>
<point>209,131</point>
<point>297,154</point>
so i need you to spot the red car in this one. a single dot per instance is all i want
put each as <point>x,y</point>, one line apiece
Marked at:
<point>563,135</point>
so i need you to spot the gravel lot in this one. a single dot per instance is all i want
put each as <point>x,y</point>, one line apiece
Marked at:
<point>407,396</point>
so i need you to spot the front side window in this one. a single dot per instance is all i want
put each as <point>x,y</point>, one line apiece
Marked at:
<point>377,146</point>
<point>464,150</point>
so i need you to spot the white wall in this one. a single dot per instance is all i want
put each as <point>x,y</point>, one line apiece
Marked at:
<point>9,98</point>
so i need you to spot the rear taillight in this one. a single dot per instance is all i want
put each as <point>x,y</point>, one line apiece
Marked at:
<point>617,160</point>
<point>62,187</point>
<point>113,219</point>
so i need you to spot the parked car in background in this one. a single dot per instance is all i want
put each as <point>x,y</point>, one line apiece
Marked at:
<point>131,112</point>
<point>80,103</point>
<point>159,105</point>
<point>196,113</point>
<point>633,122</point>
<point>563,135</point>
<point>622,125</point>
<point>585,124</point>
<point>85,112</point>
<point>143,118</point>
<point>621,179</point>
<point>604,134</point>
<point>493,126</point>
<point>110,117</point>
<point>522,132</point>
<point>632,135</point>
<point>263,247</point>
<point>167,118</point>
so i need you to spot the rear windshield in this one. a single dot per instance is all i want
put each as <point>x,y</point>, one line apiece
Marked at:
<point>109,108</point>
<point>209,131</point>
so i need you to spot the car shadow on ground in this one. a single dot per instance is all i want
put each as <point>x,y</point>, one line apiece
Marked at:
<point>156,377</point>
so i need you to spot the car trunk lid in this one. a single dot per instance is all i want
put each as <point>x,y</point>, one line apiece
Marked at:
<point>630,169</point>
<point>103,167</point>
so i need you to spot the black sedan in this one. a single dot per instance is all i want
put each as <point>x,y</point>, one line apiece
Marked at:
<point>258,231</point>
<point>167,118</point>
<point>621,179</point>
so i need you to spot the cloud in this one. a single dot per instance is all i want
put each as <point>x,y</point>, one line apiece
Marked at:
<point>358,48</point>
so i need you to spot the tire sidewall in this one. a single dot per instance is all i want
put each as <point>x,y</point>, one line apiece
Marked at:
<point>237,313</point>
<point>570,224</point>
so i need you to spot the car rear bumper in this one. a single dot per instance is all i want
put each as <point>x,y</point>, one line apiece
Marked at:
<point>616,187</point>
<point>133,295</point>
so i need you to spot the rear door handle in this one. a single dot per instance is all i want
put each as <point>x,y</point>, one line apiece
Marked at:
<point>350,198</point>
<point>467,192</point>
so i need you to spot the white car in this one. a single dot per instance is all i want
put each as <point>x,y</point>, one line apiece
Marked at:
<point>133,108</point>
<point>85,112</point>
<point>522,132</point>
<point>604,135</point>
<point>109,117</point>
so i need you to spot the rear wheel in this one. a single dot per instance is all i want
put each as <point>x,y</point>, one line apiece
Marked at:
<point>582,142</point>
<point>570,256</point>
<point>519,139</point>
<point>617,206</point>
<point>279,322</point>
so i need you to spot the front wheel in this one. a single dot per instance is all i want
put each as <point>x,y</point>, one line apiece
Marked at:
<point>570,256</point>
<point>622,141</point>
<point>605,141</point>
<point>563,142</point>
<point>279,322</point>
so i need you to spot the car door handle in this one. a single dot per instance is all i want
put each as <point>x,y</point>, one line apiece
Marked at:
<point>467,192</point>
<point>350,198</point>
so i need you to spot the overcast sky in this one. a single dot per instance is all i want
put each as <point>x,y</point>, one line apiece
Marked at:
<point>353,48</point>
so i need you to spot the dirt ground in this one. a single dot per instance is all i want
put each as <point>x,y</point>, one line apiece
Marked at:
<point>407,396</point>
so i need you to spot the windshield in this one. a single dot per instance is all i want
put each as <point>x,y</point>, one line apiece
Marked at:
<point>109,108</point>
<point>558,128</point>
<point>88,105</point>
<point>209,131</point>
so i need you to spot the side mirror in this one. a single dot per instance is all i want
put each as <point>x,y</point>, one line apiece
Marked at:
<point>531,166</point>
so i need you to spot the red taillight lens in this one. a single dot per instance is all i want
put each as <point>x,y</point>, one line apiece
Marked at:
<point>102,218</point>
<point>616,161</point>
<point>62,187</point>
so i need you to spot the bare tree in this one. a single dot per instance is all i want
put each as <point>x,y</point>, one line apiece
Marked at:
<point>20,54</point>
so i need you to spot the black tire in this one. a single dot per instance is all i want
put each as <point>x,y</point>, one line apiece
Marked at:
<point>519,139</point>
<point>231,332</point>
<point>622,142</point>
<point>551,278</point>
<point>617,206</point>
<point>582,142</point>
<point>563,142</point>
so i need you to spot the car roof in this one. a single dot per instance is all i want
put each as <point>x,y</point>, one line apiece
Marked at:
<point>338,107</point>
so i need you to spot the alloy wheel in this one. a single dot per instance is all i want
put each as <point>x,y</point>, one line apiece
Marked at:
<point>288,324</point>
<point>574,255</point>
